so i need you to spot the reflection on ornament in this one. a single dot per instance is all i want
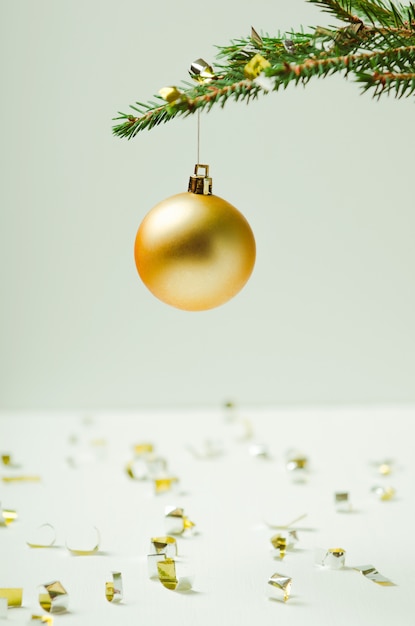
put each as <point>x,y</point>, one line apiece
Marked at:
<point>194,250</point>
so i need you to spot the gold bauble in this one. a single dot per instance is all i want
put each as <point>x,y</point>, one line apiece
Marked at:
<point>194,251</point>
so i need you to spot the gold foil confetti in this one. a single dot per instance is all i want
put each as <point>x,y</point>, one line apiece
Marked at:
<point>284,541</point>
<point>8,462</point>
<point>167,573</point>
<point>256,38</point>
<point>146,465</point>
<point>114,588</point>
<point>152,561</point>
<point>161,485</point>
<point>297,465</point>
<point>25,478</point>
<point>86,551</point>
<point>385,467</point>
<point>7,516</point>
<point>41,619</point>
<point>279,543</point>
<point>172,94</point>
<point>141,449</point>
<point>384,493</point>
<point>176,521</point>
<point>13,595</point>
<point>334,558</point>
<point>167,576</point>
<point>341,501</point>
<point>255,66</point>
<point>43,537</point>
<point>281,585</point>
<point>53,597</point>
<point>370,572</point>
<point>164,545</point>
<point>202,71</point>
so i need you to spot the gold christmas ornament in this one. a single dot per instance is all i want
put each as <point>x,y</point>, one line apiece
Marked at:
<point>194,250</point>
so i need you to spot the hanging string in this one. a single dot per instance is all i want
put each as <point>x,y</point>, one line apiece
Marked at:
<point>198,137</point>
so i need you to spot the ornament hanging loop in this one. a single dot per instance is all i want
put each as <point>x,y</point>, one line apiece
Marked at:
<point>200,183</point>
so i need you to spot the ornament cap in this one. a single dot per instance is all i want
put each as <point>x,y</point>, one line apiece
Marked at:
<point>200,183</point>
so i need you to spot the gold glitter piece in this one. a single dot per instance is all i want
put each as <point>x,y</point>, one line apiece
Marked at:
<point>164,545</point>
<point>171,94</point>
<point>7,460</point>
<point>161,485</point>
<point>145,466</point>
<point>87,551</point>
<point>53,597</point>
<point>342,503</point>
<point>13,595</point>
<point>42,619</point>
<point>7,516</point>
<point>280,543</point>
<point>334,558</point>
<point>370,572</point>
<point>201,71</point>
<point>256,38</point>
<point>167,573</point>
<point>255,66</point>
<point>114,588</point>
<point>384,493</point>
<point>44,537</point>
<point>385,469</point>
<point>143,448</point>
<point>282,584</point>
<point>176,521</point>
<point>297,465</point>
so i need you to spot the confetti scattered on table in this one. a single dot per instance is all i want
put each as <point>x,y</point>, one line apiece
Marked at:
<point>334,558</point>
<point>280,585</point>
<point>53,597</point>
<point>114,588</point>
<point>371,573</point>
<point>176,521</point>
<point>164,545</point>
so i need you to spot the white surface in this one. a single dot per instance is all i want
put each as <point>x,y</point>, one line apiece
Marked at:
<point>323,174</point>
<point>229,498</point>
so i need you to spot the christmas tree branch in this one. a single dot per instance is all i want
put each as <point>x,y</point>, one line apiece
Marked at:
<point>377,46</point>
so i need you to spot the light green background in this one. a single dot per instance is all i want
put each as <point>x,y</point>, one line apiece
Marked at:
<point>324,175</point>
